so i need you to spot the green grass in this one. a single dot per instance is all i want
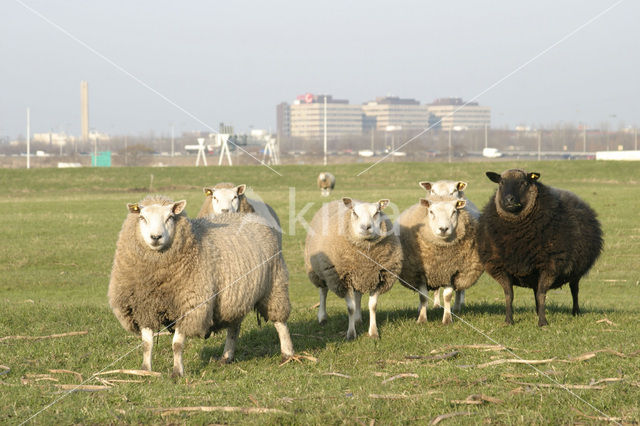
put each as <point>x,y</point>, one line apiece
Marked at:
<point>59,229</point>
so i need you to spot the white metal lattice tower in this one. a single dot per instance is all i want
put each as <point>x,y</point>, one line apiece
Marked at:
<point>201,152</point>
<point>222,140</point>
<point>271,152</point>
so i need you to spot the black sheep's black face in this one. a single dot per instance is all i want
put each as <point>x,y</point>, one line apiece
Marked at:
<point>514,190</point>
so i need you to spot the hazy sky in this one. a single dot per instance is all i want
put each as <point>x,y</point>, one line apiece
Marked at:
<point>233,61</point>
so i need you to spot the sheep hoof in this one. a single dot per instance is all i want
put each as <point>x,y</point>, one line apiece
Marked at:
<point>576,312</point>
<point>447,320</point>
<point>145,367</point>
<point>421,320</point>
<point>542,323</point>
<point>322,321</point>
<point>351,335</point>
<point>224,360</point>
<point>177,373</point>
<point>374,335</point>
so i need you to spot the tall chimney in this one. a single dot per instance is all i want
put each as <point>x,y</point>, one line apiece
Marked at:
<point>84,108</point>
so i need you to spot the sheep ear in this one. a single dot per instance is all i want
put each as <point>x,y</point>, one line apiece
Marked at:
<point>493,177</point>
<point>179,206</point>
<point>426,185</point>
<point>533,176</point>
<point>347,202</point>
<point>382,204</point>
<point>424,202</point>
<point>460,204</point>
<point>133,208</point>
<point>461,186</point>
<point>207,191</point>
<point>240,189</point>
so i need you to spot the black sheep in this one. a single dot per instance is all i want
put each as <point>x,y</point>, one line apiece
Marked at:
<point>535,236</point>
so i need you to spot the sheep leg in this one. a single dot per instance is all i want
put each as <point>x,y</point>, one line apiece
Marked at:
<point>508,299</point>
<point>358,297</point>
<point>373,327</point>
<point>177,346</point>
<point>574,285</point>
<point>422,312</point>
<point>535,296</point>
<point>436,298</point>
<point>230,344</point>
<point>147,348</point>
<point>459,303</point>
<point>544,283</point>
<point>286,346</point>
<point>351,310</point>
<point>322,309</point>
<point>447,295</point>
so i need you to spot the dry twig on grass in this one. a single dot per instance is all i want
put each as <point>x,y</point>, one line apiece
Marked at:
<point>590,355</point>
<point>560,385</point>
<point>516,361</point>
<point>400,395</point>
<point>598,418</point>
<point>475,346</point>
<point>243,410</point>
<point>131,372</point>
<point>298,358</point>
<point>400,376</point>
<point>477,399</point>
<point>51,336</point>
<point>83,388</point>
<point>434,357</point>
<point>5,370</point>
<point>330,373</point>
<point>607,321</point>
<point>78,375</point>
<point>442,417</point>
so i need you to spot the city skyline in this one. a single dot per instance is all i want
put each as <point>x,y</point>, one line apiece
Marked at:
<point>151,66</point>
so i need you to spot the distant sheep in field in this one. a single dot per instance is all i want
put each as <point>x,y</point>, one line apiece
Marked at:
<point>351,250</point>
<point>326,183</point>
<point>225,197</point>
<point>535,236</point>
<point>196,276</point>
<point>438,237</point>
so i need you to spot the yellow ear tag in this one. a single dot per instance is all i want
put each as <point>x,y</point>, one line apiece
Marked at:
<point>209,192</point>
<point>534,176</point>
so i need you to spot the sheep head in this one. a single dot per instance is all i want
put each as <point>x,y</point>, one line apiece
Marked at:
<point>225,200</point>
<point>365,218</point>
<point>156,222</point>
<point>516,189</point>
<point>444,187</point>
<point>442,216</point>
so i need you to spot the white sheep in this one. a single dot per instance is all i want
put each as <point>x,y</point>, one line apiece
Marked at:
<point>438,237</point>
<point>449,188</point>
<point>326,183</point>
<point>225,197</point>
<point>351,249</point>
<point>196,276</point>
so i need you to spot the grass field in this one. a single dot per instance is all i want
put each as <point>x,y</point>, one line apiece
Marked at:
<point>59,229</point>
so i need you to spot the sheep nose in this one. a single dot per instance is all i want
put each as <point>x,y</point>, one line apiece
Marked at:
<point>509,198</point>
<point>225,210</point>
<point>156,237</point>
<point>366,227</point>
<point>443,229</point>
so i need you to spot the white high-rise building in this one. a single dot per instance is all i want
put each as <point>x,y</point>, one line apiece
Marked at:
<point>455,115</point>
<point>306,117</point>
<point>392,111</point>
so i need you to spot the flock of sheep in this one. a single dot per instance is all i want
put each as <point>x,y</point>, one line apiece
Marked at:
<point>197,276</point>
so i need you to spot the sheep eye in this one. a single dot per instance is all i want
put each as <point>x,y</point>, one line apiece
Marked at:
<point>215,198</point>
<point>142,219</point>
<point>169,219</point>
<point>354,213</point>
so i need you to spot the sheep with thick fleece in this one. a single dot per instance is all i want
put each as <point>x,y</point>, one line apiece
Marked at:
<point>449,188</point>
<point>535,236</point>
<point>196,276</point>
<point>351,249</point>
<point>326,183</point>
<point>438,237</point>
<point>225,197</point>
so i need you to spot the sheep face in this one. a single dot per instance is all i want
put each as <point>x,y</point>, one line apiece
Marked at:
<point>156,223</point>
<point>442,216</point>
<point>516,189</point>
<point>225,200</point>
<point>444,188</point>
<point>365,218</point>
